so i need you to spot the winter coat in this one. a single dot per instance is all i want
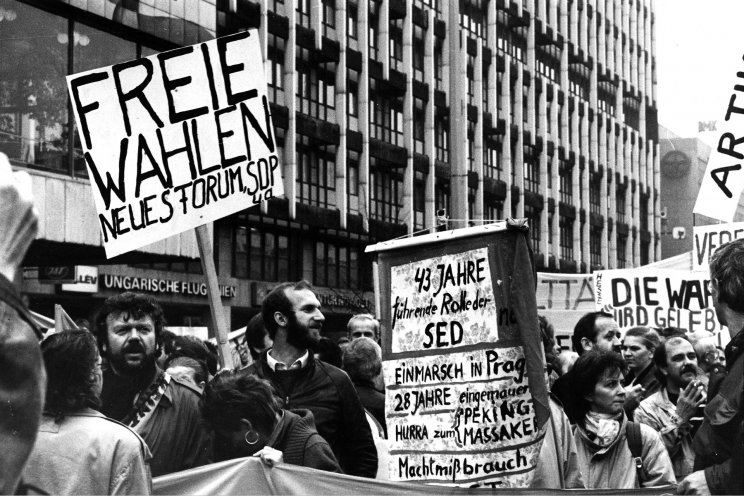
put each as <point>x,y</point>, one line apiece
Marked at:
<point>328,392</point>
<point>558,462</point>
<point>658,412</point>
<point>613,466</point>
<point>298,440</point>
<point>719,443</point>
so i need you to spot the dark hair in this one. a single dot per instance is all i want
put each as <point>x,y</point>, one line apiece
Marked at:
<point>672,332</point>
<point>137,305</point>
<point>193,347</point>
<point>70,359</point>
<point>660,355</point>
<point>583,378</point>
<point>255,332</point>
<point>362,360</point>
<point>178,360</point>
<point>649,336</point>
<point>727,273</point>
<point>277,301</point>
<point>329,352</point>
<point>233,395</point>
<point>169,339</point>
<point>213,356</point>
<point>585,328</point>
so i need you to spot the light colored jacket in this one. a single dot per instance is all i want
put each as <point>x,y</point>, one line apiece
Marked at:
<point>660,413</point>
<point>558,462</point>
<point>613,467</point>
<point>88,453</point>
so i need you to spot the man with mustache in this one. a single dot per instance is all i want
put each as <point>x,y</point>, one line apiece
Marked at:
<point>291,313</point>
<point>670,410</point>
<point>163,410</point>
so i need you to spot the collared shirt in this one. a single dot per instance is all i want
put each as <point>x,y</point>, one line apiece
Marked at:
<point>277,365</point>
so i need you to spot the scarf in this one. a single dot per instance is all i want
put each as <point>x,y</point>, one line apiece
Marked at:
<point>602,427</point>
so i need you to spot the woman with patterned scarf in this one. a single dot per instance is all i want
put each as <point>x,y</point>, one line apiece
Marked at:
<point>596,409</point>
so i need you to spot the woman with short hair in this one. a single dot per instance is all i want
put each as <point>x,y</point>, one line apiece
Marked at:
<point>596,407</point>
<point>639,345</point>
<point>246,420</point>
<point>79,450</point>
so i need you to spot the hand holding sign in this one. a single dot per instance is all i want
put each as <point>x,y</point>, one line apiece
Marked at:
<point>18,218</point>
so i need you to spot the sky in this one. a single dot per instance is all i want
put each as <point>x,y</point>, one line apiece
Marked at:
<point>699,49</point>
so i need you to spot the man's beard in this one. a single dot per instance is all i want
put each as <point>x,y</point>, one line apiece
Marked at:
<point>121,366</point>
<point>299,336</point>
<point>682,381</point>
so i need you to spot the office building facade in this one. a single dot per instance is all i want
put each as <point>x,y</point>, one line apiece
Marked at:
<point>390,115</point>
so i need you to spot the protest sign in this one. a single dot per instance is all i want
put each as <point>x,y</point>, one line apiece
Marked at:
<point>657,298</point>
<point>176,140</point>
<point>563,299</point>
<point>466,401</point>
<point>706,239</point>
<point>723,181</point>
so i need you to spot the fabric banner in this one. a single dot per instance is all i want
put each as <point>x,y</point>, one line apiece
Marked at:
<point>466,402</point>
<point>250,476</point>
<point>563,299</point>
<point>657,298</point>
<point>706,239</point>
<point>176,140</point>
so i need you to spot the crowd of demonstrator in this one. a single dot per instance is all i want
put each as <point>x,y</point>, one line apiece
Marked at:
<point>102,411</point>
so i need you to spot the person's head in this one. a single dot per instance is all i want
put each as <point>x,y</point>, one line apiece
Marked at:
<point>187,369</point>
<point>706,351</point>
<point>193,347</point>
<point>256,337</point>
<point>363,360</point>
<point>596,380</point>
<point>565,361</point>
<point>676,362</point>
<point>363,325</point>
<point>74,378</point>
<point>547,334</point>
<point>721,358</point>
<point>294,310</point>
<point>129,328</point>
<point>167,348</point>
<point>241,411</point>
<point>671,332</point>
<point>328,351</point>
<point>727,280</point>
<point>638,347</point>
<point>596,331</point>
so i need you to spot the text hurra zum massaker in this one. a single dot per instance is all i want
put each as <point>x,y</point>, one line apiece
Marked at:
<point>186,140</point>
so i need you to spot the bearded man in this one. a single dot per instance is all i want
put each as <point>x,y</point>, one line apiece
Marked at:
<point>675,410</point>
<point>163,410</point>
<point>291,313</point>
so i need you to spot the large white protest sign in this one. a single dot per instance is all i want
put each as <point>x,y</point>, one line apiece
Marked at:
<point>465,391</point>
<point>176,140</point>
<point>709,238</point>
<point>657,298</point>
<point>723,182</point>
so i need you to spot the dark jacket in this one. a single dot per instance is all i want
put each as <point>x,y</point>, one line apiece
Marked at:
<point>647,379</point>
<point>719,443</point>
<point>301,444</point>
<point>22,380</point>
<point>373,401</point>
<point>328,392</point>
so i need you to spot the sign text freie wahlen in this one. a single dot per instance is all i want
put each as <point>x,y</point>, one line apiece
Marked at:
<point>176,140</point>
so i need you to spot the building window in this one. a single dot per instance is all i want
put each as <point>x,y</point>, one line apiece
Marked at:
<point>261,255</point>
<point>386,119</point>
<point>335,265</point>
<point>352,100</point>
<point>494,210</point>
<point>438,66</point>
<point>620,206</point>
<point>419,118</point>
<point>276,50</point>
<point>533,216</point>
<point>396,47</point>
<point>351,27</point>
<point>470,73</point>
<point>441,139</point>
<point>329,18</point>
<point>418,52</point>
<point>566,186</point>
<point>492,158</point>
<point>373,50</point>
<point>565,226</point>
<point>315,88</point>
<point>419,200</point>
<point>532,175</point>
<point>316,174</point>
<point>303,12</point>
<point>385,203</point>
<point>622,245</point>
<point>352,181</point>
<point>595,192</point>
<point>643,213</point>
<point>595,246</point>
